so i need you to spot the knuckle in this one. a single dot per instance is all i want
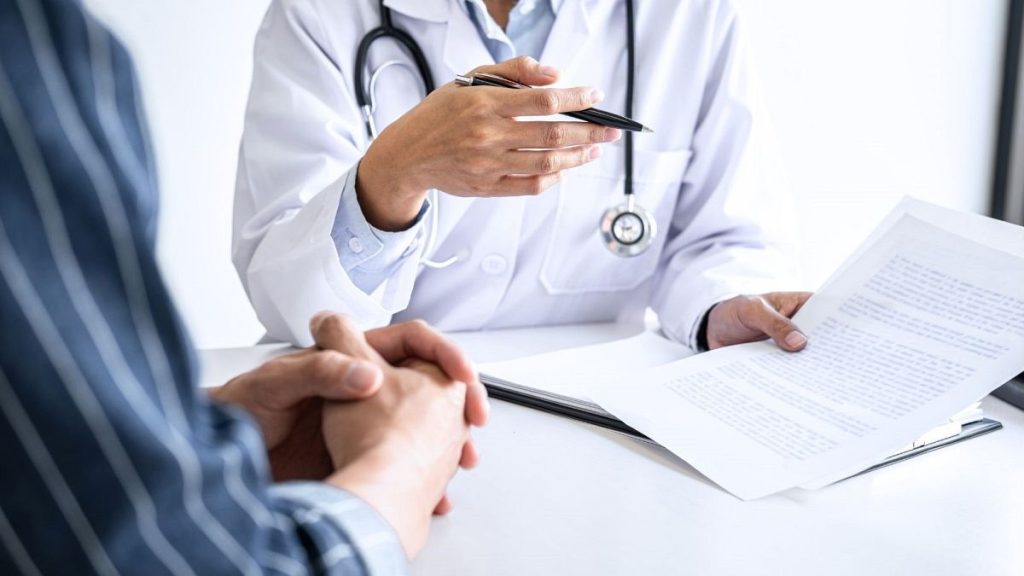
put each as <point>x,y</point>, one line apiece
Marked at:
<point>547,102</point>
<point>337,323</point>
<point>555,135</point>
<point>477,135</point>
<point>476,166</point>
<point>274,365</point>
<point>420,327</point>
<point>582,155</point>
<point>323,365</point>
<point>548,163</point>
<point>751,302</point>
<point>581,98</point>
<point>474,103</point>
<point>535,186</point>
<point>522,64</point>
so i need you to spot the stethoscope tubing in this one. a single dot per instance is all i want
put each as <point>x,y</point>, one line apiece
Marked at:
<point>365,101</point>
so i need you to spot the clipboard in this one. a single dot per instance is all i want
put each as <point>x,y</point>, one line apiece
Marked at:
<point>590,413</point>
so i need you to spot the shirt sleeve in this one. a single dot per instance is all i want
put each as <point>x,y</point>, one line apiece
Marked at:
<point>733,231</point>
<point>369,255</point>
<point>114,462</point>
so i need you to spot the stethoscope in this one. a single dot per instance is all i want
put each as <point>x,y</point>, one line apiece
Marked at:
<point>626,229</point>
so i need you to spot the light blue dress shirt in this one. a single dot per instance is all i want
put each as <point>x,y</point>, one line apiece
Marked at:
<point>369,255</point>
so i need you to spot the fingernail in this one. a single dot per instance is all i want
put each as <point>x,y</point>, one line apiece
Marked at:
<point>611,134</point>
<point>549,71</point>
<point>595,152</point>
<point>596,95</point>
<point>360,376</point>
<point>795,340</point>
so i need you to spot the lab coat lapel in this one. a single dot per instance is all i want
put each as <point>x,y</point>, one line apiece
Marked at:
<point>463,48</point>
<point>571,29</point>
<point>428,10</point>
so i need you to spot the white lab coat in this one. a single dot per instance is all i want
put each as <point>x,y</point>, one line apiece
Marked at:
<point>707,174</point>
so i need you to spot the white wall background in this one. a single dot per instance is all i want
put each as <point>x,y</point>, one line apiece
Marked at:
<point>194,60</point>
<point>875,99</point>
<point>871,99</point>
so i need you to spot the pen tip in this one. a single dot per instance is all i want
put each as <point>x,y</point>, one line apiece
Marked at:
<point>646,129</point>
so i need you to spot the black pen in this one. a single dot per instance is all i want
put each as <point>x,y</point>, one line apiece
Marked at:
<point>589,115</point>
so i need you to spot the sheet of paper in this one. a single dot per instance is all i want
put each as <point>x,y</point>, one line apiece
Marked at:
<point>569,372</point>
<point>985,231</point>
<point>490,346</point>
<point>921,323</point>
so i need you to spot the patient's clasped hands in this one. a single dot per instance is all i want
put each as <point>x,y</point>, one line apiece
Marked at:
<point>383,414</point>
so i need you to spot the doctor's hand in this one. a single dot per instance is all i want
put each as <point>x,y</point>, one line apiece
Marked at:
<point>751,318</point>
<point>466,141</point>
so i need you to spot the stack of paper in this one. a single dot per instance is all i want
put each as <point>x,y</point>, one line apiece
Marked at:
<point>563,378</point>
<point>924,319</point>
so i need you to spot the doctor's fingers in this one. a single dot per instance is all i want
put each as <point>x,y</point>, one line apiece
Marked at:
<point>760,314</point>
<point>547,161</point>
<point>333,331</point>
<point>542,101</point>
<point>522,69</point>
<point>787,303</point>
<point>519,185</point>
<point>551,135</point>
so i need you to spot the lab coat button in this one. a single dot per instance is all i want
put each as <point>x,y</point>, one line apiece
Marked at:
<point>355,245</point>
<point>494,265</point>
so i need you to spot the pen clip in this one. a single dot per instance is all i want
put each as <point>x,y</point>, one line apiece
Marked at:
<point>495,80</point>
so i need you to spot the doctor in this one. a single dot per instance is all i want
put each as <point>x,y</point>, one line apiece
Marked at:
<point>480,207</point>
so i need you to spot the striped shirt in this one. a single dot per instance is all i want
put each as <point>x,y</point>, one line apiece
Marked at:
<point>112,461</point>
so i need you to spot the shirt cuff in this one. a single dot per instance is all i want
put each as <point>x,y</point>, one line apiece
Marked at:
<point>682,322</point>
<point>369,537</point>
<point>360,244</point>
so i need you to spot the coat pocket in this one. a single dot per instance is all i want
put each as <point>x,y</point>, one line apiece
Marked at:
<point>576,260</point>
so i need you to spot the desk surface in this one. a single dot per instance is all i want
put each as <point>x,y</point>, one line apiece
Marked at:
<point>553,496</point>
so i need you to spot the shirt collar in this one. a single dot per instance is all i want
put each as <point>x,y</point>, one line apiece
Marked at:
<point>438,10</point>
<point>523,6</point>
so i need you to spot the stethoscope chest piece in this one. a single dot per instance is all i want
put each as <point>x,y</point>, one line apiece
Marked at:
<point>627,229</point>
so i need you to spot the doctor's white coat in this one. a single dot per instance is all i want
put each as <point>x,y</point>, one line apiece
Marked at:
<point>707,174</point>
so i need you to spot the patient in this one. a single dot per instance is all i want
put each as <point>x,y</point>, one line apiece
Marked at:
<point>113,461</point>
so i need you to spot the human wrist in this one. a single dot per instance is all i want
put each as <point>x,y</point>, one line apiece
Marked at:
<point>384,481</point>
<point>390,196</point>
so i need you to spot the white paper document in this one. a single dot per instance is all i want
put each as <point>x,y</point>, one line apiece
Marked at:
<point>925,319</point>
<point>570,372</point>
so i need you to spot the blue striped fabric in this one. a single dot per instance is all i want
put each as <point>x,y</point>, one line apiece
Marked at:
<point>112,462</point>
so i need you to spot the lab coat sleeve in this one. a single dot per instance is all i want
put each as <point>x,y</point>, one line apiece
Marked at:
<point>733,231</point>
<point>300,241</point>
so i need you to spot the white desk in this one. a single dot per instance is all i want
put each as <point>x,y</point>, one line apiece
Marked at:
<point>553,496</point>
